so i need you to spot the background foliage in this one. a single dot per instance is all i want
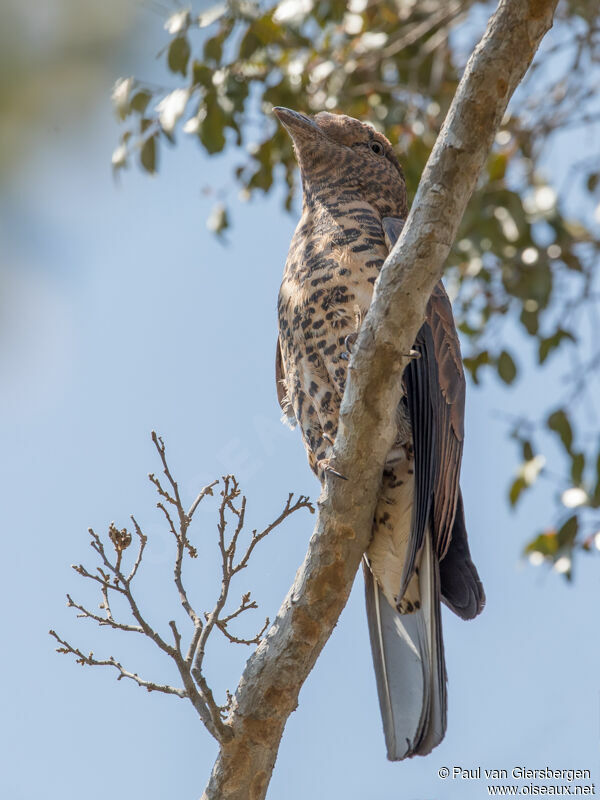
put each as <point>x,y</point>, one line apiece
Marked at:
<point>526,251</point>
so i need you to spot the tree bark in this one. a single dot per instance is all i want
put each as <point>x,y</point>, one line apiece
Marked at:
<point>269,687</point>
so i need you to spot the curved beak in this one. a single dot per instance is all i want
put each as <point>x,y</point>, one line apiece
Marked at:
<point>296,124</point>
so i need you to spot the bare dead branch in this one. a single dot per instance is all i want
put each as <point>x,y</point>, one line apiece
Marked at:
<point>108,620</point>
<point>91,661</point>
<point>208,490</point>
<point>143,539</point>
<point>102,580</point>
<point>290,508</point>
<point>111,577</point>
<point>222,626</point>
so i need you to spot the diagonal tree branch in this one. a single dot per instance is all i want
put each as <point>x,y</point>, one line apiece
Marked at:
<point>269,688</point>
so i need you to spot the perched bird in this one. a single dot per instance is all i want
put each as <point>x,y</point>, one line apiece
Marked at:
<point>354,206</point>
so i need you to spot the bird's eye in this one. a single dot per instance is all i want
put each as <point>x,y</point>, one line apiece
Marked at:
<point>376,147</point>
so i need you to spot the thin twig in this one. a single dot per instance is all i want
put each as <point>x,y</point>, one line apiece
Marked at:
<point>90,660</point>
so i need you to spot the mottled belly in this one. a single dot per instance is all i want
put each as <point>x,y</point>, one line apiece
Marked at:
<point>391,533</point>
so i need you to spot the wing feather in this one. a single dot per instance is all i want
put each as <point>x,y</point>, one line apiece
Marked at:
<point>435,392</point>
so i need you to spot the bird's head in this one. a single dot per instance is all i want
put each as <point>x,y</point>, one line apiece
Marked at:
<point>342,158</point>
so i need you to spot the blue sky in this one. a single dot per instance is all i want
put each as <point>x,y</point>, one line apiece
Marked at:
<point>122,314</point>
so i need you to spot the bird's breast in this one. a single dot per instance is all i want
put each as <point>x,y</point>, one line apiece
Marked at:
<point>334,261</point>
<point>332,266</point>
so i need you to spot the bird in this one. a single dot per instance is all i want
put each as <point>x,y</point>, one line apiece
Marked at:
<point>353,211</point>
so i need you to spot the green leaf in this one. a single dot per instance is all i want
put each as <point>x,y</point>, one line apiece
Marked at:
<point>596,496</point>
<point>261,32</point>
<point>140,101</point>
<point>473,364</point>
<point>213,47</point>
<point>179,55</point>
<point>507,369</point>
<point>236,90</point>
<point>546,544</point>
<point>551,343</point>
<point>559,423</point>
<point>496,166</point>
<point>148,155</point>
<point>202,75</point>
<point>592,181</point>
<point>577,467</point>
<point>517,488</point>
<point>568,533</point>
<point>530,321</point>
<point>212,133</point>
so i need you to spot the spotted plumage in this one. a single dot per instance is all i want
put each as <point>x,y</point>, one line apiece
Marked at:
<point>354,205</point>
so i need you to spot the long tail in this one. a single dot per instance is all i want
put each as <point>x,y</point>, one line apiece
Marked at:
<point>408,654</point>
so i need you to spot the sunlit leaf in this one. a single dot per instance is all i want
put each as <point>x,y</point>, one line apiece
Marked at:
<point>171,109</point>
<point>178,22</point>
<point>218,220</point>
<point>119,156</point>
<point>573,497</point>
<point>121,96</point>
<point>211,15</point>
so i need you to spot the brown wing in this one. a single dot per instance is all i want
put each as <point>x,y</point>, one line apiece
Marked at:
<point>438,432</point>
<point>448,408</point>
<point>435,396</point>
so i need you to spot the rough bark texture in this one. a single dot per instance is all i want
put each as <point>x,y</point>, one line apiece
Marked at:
<point>268,690</point>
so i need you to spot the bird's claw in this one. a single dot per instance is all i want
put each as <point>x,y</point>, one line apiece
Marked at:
<point>349,341</point>
<point>325,466</point>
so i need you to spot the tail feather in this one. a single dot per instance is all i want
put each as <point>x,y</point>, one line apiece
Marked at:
<point>408,656</point>
<point>461,587</point>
